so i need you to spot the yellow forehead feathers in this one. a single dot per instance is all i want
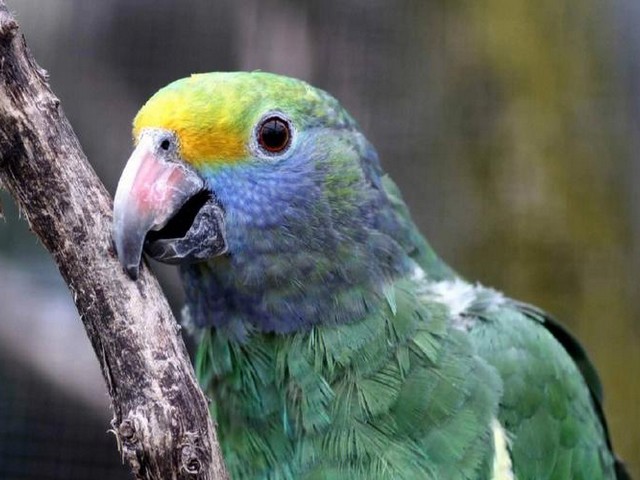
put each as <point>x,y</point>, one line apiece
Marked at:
<point>213,114</point>
<point>207,131</point>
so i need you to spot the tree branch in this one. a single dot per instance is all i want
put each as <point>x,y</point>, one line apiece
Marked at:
<point>161,421</point>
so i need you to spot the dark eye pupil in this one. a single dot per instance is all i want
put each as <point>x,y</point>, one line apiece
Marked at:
<point>165,144</point>
<point>274,135</point>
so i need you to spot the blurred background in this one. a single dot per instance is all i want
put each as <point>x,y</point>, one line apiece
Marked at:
<point>512,127</point>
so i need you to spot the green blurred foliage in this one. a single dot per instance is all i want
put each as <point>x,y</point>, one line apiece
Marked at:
<point>553,219</point>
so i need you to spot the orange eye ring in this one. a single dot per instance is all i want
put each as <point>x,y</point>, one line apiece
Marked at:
<point>274,135</point>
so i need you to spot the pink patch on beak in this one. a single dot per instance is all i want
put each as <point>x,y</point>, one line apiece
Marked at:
<point>150,191</point>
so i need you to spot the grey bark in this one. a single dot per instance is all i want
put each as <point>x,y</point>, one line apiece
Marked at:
<point>161,420</point>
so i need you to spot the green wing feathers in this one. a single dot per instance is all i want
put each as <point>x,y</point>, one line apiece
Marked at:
<point>547,407</point>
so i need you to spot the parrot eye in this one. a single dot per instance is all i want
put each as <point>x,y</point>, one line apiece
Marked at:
<point>274,134</point>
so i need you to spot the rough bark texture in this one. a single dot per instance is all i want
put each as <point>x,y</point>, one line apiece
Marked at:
<point>161,419</point>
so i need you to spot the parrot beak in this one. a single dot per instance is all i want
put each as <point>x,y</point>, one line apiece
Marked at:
<point>162,205</point>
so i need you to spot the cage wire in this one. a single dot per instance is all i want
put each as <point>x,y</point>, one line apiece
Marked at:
<point>47,434</point>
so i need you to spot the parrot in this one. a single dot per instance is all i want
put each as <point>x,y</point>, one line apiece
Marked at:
<point>333,342</point>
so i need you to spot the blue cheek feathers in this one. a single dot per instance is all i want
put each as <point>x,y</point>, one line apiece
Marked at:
<point>291,251</point>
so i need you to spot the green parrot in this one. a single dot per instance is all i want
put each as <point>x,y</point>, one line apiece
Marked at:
<point>333,341</point>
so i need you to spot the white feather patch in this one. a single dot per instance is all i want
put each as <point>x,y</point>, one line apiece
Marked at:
<point>465,300</point>
<point>418,274</point>
<point>457,294</point>
<point>502,465</point>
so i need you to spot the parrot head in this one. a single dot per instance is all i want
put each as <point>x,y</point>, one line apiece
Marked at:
<point>263,171</point>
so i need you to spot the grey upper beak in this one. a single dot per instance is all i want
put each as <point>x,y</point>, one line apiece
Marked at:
<point>153,191</point>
